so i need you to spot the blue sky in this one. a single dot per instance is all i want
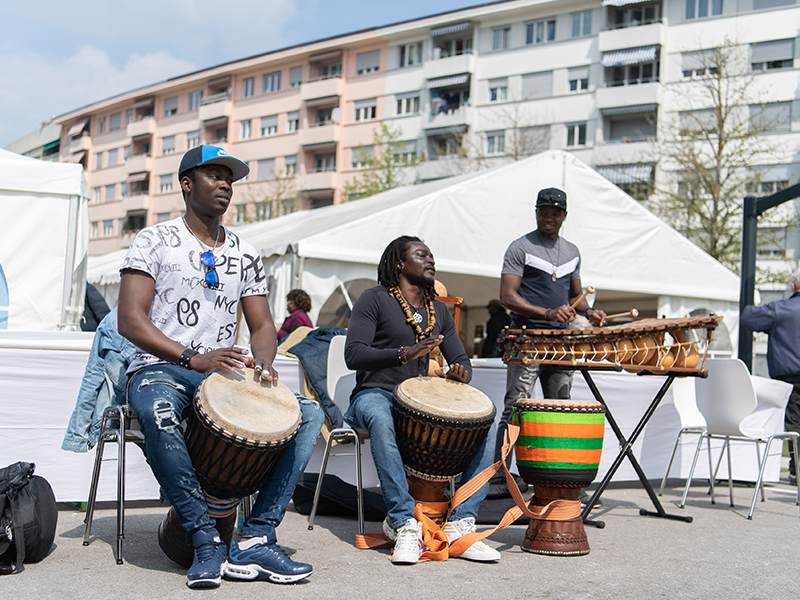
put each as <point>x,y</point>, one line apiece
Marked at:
<point>56,56</point>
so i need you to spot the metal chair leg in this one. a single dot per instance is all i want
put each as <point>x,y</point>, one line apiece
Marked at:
<point>319,482</point>
<point>758,458</point>
<point>761,467</point>
<point>123,430</point>
<point>694,465</point>
<point>699,430</point>
<point>98,461</point>
<point>359,485</point>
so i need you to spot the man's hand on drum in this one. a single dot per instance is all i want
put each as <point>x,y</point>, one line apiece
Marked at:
<point>263,369</point>
<point>423,347</point>
<point>455,372</point>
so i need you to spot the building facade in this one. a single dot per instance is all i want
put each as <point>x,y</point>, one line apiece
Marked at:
<point>466,89</point>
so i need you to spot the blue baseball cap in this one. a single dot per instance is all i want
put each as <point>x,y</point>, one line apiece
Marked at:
<point>212,155</point>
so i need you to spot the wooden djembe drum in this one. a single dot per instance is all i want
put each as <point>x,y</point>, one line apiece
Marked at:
<point>558,451</point>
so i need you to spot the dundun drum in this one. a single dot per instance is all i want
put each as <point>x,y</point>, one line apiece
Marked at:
<point>239,431</point>
<point>440,425</point>
<point>558,451</point>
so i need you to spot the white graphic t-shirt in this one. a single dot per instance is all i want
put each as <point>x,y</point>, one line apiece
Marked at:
<point>184,307</point>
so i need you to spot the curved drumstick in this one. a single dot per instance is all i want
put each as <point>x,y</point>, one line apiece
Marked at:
<point>633,313</point>
<point>589,290</point>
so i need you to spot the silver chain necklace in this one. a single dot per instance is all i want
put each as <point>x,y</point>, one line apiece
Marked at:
<point>202,245</point>
<point>553,277</point>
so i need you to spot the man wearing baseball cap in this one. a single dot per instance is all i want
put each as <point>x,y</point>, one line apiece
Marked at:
<point>541,278</point>
<point>182,282</point>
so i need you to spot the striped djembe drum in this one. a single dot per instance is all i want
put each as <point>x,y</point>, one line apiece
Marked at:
<point>558,451</point>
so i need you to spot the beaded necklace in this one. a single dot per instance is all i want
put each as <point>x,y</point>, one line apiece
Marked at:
<point>419,333</point>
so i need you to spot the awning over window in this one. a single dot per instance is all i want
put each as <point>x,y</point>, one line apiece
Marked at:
<point>446,130</point>
<point>628,110</point>
<point>134,177</point>
<point>622,2</point>
<point>452,28</point>
<point>325,100</point>
<point>438,82</point>
<point>51,145</point>
<point>78,128</point>
<point>626,173</point>
<point>219,81</point>
<point>629,56</point>
<point>325,56</point>
<point>215,121</point>
<point>77,157</point>
<point>143,102</point>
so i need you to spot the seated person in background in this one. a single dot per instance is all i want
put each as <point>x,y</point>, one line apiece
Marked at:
<point>387,344</point>
<point>298,304</point>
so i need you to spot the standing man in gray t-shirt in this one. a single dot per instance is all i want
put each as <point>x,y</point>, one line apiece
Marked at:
<point>541,278</point>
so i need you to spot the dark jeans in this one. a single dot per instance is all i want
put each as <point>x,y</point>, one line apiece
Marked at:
<point>791,422</point>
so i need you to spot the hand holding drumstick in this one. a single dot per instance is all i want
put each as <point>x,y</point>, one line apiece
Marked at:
<point>563,313</point>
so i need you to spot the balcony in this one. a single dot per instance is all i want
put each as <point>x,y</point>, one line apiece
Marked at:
<point>216,107</point>
<point>452,65</point>
<point>446,166</point>
<point>629,95</point>
<point>146,126</point>
<point>320,88</point>
<point>324,180</point>
<point>618,153</point>
<point>632,37</point>
<point>139,163</point>
<point>136,201</point>
<point>462,115</point>
<point>81,143</point>
<point>328,133</point>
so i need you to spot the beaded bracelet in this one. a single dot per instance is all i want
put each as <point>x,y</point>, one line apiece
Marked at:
<point>402,355</point>
<point>547,314</point>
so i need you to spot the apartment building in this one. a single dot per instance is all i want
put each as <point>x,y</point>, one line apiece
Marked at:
<point>467,89</point>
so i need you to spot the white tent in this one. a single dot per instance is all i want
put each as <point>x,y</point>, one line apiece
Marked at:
<point>628,254</point>
<point>43,249</point>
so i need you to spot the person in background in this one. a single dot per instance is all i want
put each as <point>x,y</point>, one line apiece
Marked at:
<point>298,305</point>
<point>498,318</point>
<point>95,308</point>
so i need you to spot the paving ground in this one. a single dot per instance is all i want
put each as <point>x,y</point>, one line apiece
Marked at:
<point>720,555</point>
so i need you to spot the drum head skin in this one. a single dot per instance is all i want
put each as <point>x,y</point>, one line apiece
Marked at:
<point>236,401</point>
<point>444,398</point>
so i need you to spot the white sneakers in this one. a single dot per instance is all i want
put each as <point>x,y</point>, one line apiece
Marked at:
<point>408,544</point>
<point>478,551</point>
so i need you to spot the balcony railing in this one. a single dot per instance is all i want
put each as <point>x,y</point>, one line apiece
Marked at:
<point>221,97</point>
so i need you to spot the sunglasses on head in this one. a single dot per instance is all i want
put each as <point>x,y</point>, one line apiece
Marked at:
<point>212,278</point>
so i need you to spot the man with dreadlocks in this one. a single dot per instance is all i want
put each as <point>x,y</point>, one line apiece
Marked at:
<point>393,328</point>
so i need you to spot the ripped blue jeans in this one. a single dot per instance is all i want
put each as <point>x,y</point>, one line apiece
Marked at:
<point>162,396</point>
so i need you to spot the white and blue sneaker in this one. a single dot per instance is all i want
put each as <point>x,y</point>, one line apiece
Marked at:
<point>209,554</point>
<point>262,558</point>
<point>408,545</point>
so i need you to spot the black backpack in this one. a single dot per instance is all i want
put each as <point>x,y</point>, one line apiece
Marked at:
<point>28,517</point>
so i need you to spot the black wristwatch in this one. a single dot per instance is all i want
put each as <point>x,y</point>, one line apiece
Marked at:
<point>187,355</point>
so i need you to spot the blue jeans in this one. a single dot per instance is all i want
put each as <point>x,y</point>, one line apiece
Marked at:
<point>162,396</point>
<point>371,409</point>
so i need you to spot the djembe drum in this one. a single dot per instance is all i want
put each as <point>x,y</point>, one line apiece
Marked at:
<point>236,435</point>
<point>558,451</point>
<point>440,425</point>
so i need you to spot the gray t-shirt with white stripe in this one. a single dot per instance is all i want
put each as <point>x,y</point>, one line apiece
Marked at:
<point>536,260</point>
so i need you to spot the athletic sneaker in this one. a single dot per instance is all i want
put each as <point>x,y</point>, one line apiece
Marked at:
<point>262,558</point>
<point>478,551</point>
<point>408,544</point>
<point>209,554</point>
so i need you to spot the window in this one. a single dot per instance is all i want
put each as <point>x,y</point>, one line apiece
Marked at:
<point>287,206</point>
<point>698,9</point>
<point>496,142</point>
<point>641,14</point>
<point>168,144</point>
<point>498,90</point>
<point>240,216</point>
<point>633,74</point>
<point>777,54</point>
<point>578,78</point>
<point>123,189</point>
<point>540,32</point>
<point>193,139</point>
<point>576,134</point>
<point>325,162</point>
<point>96,199</point>
<point>411,54</point>
<point>266,168</point>
<point>244,130</point>
<point>699,63</point>
<point>269,125</point>
<point>115,122</point>
<point>248,87</point>
<point>453,48</point>
<point>501,38</point>
<point>98,160</point>
<point>101,125</point>
<point>765,4</point>
<point>408,105</point>
<point>165,184</point>
<point>533,139</point>
<point>537,85</point>
<point>365,109</point>
<point>363,157</point>
<point>368,62</point>
<point>330,70</point>
<point>405,152</point>
<point>293,121</point>
<point>128,116</point>
<point>163,216</point>
<point>108,228</point>
<point>290,165</point>
<point>93,232</point>
<point>112,157</point>
<point>263,211</point>
<point>295,77</point>
<point>171,106</point>
<point>194,99</point>
<point>272,83</point>
<point>126,152</point>
<point>632,128</point>
<point>582,24</point>
<point>775,116</point>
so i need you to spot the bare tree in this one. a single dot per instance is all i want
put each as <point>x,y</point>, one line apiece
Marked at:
<point>272,198</point>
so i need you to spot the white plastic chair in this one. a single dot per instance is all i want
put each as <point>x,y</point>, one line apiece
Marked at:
<point>692,421</point>
<point>725,399</point>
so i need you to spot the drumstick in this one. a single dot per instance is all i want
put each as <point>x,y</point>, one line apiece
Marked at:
<point>589,290</point>
<point>633,313</point>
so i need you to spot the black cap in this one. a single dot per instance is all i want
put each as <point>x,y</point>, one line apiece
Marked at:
<point>552,197</point>
<point>212,155</point>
